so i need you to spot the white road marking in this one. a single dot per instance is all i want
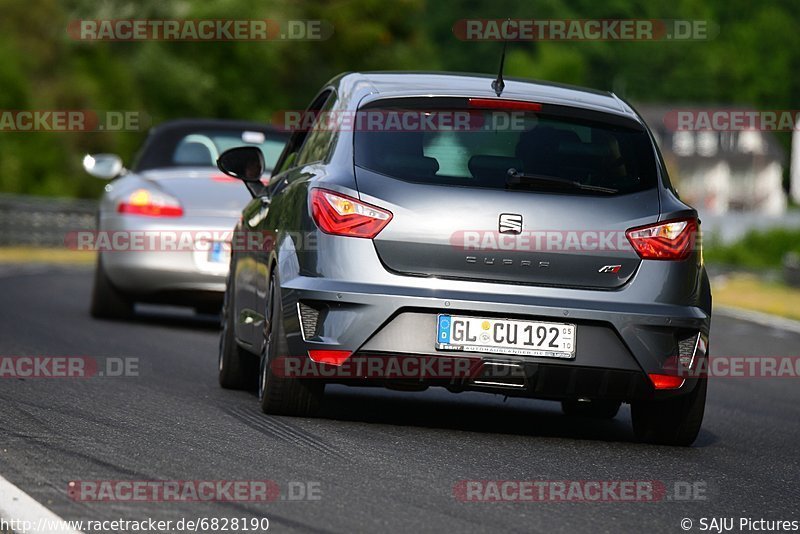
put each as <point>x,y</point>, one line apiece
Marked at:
<point>764,319</point>
<point>17,505</point>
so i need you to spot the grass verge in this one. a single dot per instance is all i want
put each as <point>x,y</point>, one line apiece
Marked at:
<point>749,292</point>
<point>61,256</point>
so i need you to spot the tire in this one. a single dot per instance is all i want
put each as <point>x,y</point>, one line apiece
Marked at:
<point>674,421</point>
<point>237,367</point>
<point>281,395</point>
<point>107,301</point>
<point>597,409</point>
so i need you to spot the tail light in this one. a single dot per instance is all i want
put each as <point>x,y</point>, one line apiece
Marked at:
<point>673,240</point>
<point>666,381</point>
<point>225,179</point>
<point>497,103</point>
<point>340,214</point>
<point>330,357</point>
<point>150,204</point>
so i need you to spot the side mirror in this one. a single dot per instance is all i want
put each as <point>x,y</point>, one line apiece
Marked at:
<point>245,163</point>
<point>105,166</point>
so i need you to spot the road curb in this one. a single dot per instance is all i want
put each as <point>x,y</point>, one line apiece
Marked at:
<point>765,319</point>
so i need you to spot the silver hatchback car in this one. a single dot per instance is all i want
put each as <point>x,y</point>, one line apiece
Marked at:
<point>438,233</point>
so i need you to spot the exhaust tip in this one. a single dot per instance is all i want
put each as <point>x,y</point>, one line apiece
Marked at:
<point>501,375</point>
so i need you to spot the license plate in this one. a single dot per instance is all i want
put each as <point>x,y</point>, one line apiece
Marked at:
<point>218,253</point>
<point>505,336</point>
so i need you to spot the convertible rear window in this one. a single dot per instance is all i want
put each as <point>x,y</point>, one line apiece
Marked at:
<point>448,142</point>
<point>188,146</point>
<point>201,149</point>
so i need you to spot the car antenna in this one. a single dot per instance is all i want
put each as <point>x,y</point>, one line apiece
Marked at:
<point>498,85</point>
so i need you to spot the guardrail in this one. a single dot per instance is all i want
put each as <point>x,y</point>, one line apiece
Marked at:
<point>791,269</point>
<point>43,221</point>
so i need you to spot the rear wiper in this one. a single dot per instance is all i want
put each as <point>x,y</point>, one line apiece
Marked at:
<point>517,178</point>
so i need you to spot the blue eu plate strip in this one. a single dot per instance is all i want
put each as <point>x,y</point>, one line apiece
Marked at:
<point>444,329</point>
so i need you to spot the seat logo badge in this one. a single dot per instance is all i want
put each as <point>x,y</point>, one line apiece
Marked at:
<point>609,269</point>
<point>510,223</point>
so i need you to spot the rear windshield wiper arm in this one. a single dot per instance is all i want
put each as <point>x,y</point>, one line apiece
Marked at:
<point>516,178</point>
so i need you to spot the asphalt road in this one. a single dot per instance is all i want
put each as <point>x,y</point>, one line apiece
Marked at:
<point>382,460</point>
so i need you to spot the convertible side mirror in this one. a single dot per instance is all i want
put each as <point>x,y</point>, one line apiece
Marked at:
<point>104,166</point>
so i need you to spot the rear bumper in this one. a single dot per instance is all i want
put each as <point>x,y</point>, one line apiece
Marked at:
<point>618,343</point>
<point>157,272</point>
<point>163,270</point>
<point>523,379</point>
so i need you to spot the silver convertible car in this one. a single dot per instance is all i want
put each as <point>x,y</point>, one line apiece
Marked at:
<point>164,226</point>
